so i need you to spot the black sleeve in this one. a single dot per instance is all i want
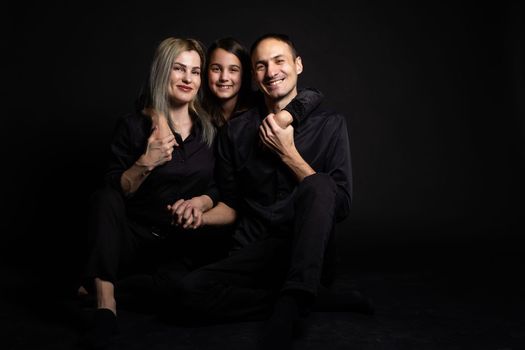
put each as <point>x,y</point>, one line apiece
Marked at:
<point>224,170</point>
<point>213,193</point>
<point>125,149</point>
<point>339,167</point>
<point>212,190</point>
<point>303,104</point>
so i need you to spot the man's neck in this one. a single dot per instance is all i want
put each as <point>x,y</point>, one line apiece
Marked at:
<point>275,106</point>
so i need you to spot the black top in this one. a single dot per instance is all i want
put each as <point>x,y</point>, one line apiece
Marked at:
<point>254,180</point>
<point>188,174</point>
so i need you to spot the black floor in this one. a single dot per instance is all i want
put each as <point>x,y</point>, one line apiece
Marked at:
<point>444,299</point>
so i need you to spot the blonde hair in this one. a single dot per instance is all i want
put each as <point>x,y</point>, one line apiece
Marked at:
<point>161,67</point>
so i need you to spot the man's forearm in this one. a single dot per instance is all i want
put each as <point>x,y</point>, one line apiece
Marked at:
<point>297,164</point>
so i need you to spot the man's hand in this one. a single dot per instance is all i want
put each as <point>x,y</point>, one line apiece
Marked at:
<point>275,137</point>
<point>281,141</point>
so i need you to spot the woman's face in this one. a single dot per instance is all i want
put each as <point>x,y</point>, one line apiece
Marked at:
<point>185,77</point>
<point>224,74</point>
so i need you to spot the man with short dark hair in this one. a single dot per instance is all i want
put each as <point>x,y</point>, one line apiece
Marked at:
<point>286,188</point>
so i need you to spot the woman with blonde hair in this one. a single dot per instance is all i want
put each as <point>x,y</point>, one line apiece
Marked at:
<point>160,154</point>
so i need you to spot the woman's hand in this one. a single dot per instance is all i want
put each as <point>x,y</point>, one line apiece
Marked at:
<point>188,213</point>
<point>283,118</point>
<point>158,150</point>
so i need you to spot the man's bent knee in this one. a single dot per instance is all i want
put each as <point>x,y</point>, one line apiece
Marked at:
<point>317,186</point>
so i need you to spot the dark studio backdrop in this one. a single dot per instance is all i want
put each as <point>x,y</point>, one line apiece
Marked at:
<point>433,96</point>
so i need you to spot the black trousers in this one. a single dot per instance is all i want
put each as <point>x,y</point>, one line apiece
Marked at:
<point>121,247</point>
<point>245,284</point>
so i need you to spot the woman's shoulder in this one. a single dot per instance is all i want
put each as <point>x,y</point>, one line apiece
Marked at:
<point>134,123</point>
<point>135,119</point>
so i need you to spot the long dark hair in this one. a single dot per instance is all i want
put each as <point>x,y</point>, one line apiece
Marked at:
<point>246,97</point>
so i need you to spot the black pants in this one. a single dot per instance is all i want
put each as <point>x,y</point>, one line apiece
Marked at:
<point>119,246</point>
<point>245,284</point>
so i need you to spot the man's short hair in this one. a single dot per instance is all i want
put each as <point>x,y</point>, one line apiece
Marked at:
<point>277,36</point>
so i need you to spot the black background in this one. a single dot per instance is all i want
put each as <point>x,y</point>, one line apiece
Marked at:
<point>433,94</point>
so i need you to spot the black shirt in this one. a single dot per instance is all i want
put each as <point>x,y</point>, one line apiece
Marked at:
<point>254,181</point>
<point>188,174</point>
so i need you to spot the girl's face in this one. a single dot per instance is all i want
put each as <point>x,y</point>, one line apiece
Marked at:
<point>224,74</point>
<point>185,77</point>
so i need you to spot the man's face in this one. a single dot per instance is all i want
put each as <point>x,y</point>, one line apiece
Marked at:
<point>275,70</point>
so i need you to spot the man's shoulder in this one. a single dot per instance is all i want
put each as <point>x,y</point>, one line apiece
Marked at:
<point>326,114</point>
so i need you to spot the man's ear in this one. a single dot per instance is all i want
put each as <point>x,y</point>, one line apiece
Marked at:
<point>298,65</point>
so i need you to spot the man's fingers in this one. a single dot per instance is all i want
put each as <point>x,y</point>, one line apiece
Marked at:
<point>262,135</point>
<point>265,135</point>
<point>266,128</point>
<point>270,121</point>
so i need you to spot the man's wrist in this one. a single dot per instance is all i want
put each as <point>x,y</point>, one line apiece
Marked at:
<point>291,155</point>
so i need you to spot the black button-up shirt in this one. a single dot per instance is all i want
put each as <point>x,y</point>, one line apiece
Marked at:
<point>188,174</point>
<point>254,181</point>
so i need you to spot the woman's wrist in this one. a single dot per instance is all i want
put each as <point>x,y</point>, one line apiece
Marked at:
<point>145,164</point>
<point>206,202</point>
